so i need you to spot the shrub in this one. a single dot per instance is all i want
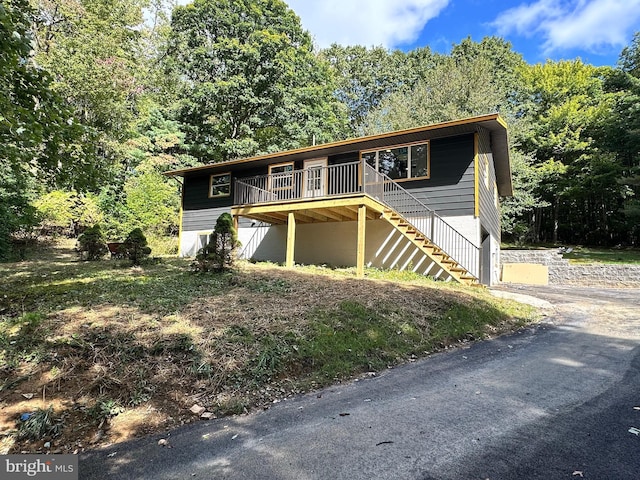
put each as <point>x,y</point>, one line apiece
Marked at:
<point>92,244</point>
<point>219,253</point>
<point>135,247</point>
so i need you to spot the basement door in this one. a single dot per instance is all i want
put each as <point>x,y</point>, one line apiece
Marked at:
<point>315,178</point>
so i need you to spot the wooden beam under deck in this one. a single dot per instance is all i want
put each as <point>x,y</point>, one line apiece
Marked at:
<point>291,240</point>
<point>340,209</point>
<point>361,246</point>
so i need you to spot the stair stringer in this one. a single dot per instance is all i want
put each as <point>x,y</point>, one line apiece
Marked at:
<point>430,249</point>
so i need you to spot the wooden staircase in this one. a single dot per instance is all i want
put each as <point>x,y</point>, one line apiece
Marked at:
<point>435,253</point>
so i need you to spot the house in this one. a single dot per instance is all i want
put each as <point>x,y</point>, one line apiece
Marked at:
<point>425,199</point>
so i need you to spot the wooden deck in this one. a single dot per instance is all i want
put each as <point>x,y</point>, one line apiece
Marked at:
<point>352,192</point>
<point>312,210</point>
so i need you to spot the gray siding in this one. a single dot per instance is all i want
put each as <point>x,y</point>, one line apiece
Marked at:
<point>489,212</point>
<point>199,212</point>
<point>201,220</point>
<point>450,190</point>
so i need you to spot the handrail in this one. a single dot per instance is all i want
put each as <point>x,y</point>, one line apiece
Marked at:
<point>314,182</point>
<point>254,241</point>
<point>344,179</point>
<point>422,218</point>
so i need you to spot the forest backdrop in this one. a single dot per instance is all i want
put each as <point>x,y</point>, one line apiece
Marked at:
<point>99,97</point>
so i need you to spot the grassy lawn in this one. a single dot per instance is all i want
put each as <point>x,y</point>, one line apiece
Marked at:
<point>588,255</point>
<point>100,352</point>
<point>585,255</point>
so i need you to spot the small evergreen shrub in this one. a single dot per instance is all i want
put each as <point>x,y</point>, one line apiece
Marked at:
<point>218,254</point>
<point>135,247</point>
<point>92,244</point>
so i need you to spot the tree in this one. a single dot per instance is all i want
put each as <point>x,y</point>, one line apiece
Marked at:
<point>33,124</point>
<point>252,83</point>
<point>454,88</point>
<point>92,244</point>
<point>218,254</point>
<point>564,101</point>
<point>152,203</point>
<point>502,62</point>
<point>91,47</point>
<point>63,210</point>
<point>365,76</point>
<point>629,61</point>
<point>135,247</point>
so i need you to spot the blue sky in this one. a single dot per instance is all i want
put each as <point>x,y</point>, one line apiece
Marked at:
<point>594,30</point>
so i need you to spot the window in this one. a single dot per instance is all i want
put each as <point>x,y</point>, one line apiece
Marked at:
<point>220,185</point>
<point>401,162</point>
<point>281,176</point>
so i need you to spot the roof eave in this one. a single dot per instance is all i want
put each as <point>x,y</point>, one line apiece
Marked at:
<point>492,121</point>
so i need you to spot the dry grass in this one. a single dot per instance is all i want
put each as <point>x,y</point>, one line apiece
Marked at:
<point>120,352</point>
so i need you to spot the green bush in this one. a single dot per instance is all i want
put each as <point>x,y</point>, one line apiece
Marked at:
<point>92,244</point>
<point>135,247</point>
<point>218,254</point>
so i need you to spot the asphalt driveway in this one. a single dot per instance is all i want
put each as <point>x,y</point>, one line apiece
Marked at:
<point>551,402</point>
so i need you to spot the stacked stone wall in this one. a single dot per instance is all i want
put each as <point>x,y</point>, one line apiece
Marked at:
<point>561,272</point>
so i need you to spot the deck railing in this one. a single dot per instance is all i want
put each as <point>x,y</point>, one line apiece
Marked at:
<point>345,179</point>
<point>314,182</point>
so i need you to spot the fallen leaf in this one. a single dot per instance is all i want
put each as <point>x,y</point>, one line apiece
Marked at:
<point>383,443</point>
<point>28,396</point>
<point>577,473</point>
<point>344,414</point>
<point>634,430</point>
<point>234,437</point>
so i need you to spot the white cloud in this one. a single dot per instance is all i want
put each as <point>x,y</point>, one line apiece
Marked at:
<point>366,22</point>
<point>585,24</point>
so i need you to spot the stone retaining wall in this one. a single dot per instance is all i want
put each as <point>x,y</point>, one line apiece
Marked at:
<point>563,273</point>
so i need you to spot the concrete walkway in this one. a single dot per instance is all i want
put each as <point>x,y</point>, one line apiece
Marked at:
<point>551,402</point>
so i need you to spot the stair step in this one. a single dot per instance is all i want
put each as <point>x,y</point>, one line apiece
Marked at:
<point>467,277</point>
<point>458,269</point>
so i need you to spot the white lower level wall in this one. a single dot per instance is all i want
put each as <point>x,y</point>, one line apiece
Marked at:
<point>334,243</point>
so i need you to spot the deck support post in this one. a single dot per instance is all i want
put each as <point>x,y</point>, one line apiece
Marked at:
<point>362,222</point>
<point>235,222</point>
<point>291,239</point>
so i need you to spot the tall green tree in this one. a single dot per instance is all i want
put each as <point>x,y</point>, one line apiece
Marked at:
<point>252,82</point>
<point>619,134</point>
<point>92,48</point>
<point>33,123</point>
<point>564,101</point>
<point>366,76</point>
<point>629,61</point>
<point>454,88</point>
